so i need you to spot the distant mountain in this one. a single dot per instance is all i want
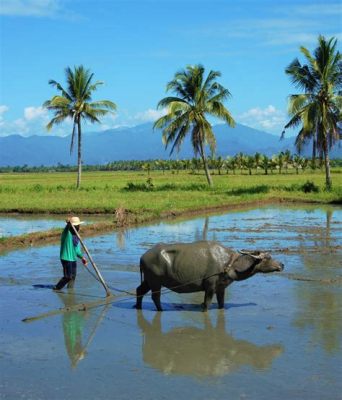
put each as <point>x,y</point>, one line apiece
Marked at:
<point>137,143</point>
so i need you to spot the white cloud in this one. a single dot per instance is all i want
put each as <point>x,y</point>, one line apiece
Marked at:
<point>125,119</point>
<point>37,8</point>
<point>31,113</point>
<point>32,122</point>
<point>149,115</point>
<point>3,109</point>
<point>269,119</point>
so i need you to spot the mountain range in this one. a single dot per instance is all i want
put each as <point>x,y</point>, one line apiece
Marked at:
<point>136,143</point>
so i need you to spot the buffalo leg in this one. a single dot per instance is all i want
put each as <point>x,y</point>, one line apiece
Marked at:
<point>156,297</point>
<point>208,297</point>
<point>141,291</point>
<point>220,298</point>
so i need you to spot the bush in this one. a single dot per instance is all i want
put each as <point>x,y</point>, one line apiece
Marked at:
<point>309,187</point>
<point>138,187</point>
<point>37,188</point>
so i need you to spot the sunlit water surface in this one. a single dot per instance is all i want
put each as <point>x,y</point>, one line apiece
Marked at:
<point>20,224</point>
<point>278,337</point>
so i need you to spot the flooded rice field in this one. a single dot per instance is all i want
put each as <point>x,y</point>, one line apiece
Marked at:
<point>279,335</point>
<point>14,225</point>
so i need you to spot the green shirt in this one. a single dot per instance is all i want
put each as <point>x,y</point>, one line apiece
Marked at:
<point>69,251</point>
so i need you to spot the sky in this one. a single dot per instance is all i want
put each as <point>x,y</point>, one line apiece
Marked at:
<point>136,46</point>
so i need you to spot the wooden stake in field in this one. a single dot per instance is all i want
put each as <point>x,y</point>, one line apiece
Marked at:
<point>92,261</point>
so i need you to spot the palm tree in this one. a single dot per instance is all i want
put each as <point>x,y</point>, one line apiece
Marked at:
<point>280,161</point>
<point>287,159</point>
<point>219,164</point>
<point>296,162</point>
<point>257,160</point>
<point>232,164</point>
<point>249,162</point>
<point>196,97</point>
<point>318,110</point>
<point>265,164</point>
<point>239,161</point>
<point>75,103</point>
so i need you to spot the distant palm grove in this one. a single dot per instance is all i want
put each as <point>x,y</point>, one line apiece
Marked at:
<point>282,163</point>
<point>316,112</point>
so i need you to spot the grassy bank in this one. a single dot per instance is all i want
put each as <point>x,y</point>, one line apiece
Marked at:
<point>105,192</point>
<point>133,198</point>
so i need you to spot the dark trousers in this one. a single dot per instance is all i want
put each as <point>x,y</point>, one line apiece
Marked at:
<point>69,274</point>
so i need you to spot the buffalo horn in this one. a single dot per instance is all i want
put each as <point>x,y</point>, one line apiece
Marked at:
<point>258,256</point>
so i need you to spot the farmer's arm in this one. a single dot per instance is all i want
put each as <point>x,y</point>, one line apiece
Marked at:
<point>78,250</point>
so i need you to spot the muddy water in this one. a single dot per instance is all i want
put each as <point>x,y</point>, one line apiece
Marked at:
<point>278,337</point>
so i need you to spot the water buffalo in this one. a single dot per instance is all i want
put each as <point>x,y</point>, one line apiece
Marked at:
<point>200,266</point>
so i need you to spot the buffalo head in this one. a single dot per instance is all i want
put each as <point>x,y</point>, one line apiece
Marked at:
<point>264,262</point>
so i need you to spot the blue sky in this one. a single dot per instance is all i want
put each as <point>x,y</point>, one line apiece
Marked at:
<point>136,46</point>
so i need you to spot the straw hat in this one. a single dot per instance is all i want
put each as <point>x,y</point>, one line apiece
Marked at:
<point>75,221</point>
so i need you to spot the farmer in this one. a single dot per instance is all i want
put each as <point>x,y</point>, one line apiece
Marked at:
<point>70,251</point>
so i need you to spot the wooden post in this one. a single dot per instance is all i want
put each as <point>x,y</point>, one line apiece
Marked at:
<point>92,261</point>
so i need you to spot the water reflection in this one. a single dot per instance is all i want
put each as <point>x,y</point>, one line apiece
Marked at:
<point>79,328</point>
<point>201,352</point>
<point>320,311</point>
<point>320,302</point>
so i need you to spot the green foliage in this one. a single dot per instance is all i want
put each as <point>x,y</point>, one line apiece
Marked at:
<point>250,190</point>
<point>149,187</point>
<point>229,164</point>
<point>196,96</point>
<point>309,187</point>
<point>105,191</point>
<point>75,103</point>
<point>317,111</point>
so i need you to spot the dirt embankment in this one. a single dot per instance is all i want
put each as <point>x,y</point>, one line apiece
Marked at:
<point>123,218</point>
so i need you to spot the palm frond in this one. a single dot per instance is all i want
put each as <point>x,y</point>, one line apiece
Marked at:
<point>218,110</point>
<point>297,102</point>
<point>180,137</point>
<point>58,119</point>
<point>167,101</point>
<point>107,104</point>
<point>60,88</point>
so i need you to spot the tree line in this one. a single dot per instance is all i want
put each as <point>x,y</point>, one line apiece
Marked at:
<point>283,162</point>
<point>197,95</point>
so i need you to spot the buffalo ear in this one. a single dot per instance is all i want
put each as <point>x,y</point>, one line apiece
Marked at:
<point>243,263</point>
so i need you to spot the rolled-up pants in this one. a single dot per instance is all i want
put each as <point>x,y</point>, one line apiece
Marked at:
<point>69,274</point>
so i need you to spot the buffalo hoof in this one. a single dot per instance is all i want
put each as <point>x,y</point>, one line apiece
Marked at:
<point>137,306</point>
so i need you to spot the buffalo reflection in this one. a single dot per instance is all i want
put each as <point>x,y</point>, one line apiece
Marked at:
<point>200,352</point>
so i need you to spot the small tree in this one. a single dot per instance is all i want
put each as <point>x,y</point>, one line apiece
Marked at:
<point>265,164</point>
<point>196,97</point>
<point>75,103</point>
<point>318,109</point>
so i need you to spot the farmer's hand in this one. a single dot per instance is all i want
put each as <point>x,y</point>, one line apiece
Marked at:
<point>84,261</point>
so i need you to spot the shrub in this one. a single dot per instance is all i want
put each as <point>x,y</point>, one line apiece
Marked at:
<point>309,187</point>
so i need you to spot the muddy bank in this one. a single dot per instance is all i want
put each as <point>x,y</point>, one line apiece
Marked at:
<point>125,218</point>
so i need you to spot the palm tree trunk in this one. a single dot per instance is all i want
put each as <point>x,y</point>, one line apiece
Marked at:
<point>328,182</point>
<point>205,165</point>
<point>79,154</point>
<point>314,149</point>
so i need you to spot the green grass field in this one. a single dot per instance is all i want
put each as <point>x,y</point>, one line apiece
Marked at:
<point>103,192</point>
